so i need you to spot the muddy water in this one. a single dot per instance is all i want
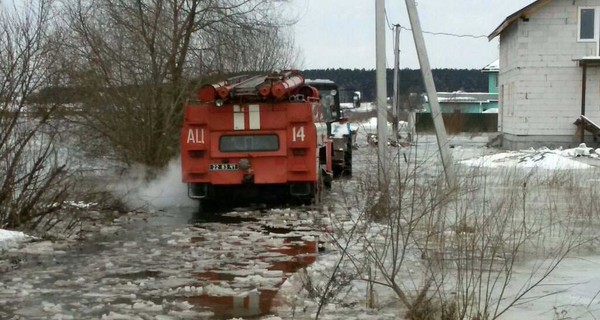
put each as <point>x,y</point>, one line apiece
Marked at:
<point>256,298</point>
<point>151,265</point>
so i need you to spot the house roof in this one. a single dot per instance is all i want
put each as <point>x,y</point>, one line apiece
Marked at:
<point>521,14</point>
<point>492,67</point>
<point>465,97</point>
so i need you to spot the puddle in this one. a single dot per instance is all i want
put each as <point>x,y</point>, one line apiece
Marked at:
<point>278,230</point>
<point>253,304</point>
<point>247,290</point>
<point>197,239</point>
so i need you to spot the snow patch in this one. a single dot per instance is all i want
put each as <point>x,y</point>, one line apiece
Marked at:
<point>10,239</point>
<point>543,158</point>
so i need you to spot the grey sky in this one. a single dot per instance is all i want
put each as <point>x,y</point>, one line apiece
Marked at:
<point>341,33</point>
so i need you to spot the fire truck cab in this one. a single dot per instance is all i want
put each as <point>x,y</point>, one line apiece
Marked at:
<point>342,135</point>
<point>263,137</point>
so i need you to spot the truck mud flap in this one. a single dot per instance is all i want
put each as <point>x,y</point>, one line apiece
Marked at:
<point>301,189</point>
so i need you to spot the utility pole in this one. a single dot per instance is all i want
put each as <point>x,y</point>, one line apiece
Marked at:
<point>381,92</point>
<point>395,100</point>
<point>436,113</point>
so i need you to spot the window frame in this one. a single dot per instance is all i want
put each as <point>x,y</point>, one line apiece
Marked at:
<point>596,24</point>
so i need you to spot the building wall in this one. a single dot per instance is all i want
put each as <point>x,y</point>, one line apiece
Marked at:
<point>540,84</point>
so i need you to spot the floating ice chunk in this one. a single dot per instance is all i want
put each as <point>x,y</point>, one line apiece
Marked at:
<point>218,291</point>
<point>183,305</point>
<point>147,306</point>
<point>51,307</point>
<point>272,274</point>
<point>130,244</point>
<point>116,316</point>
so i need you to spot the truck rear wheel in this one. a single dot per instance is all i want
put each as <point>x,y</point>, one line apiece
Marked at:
<point>327,179</point>
<point>318,192</point>
<point>206,211</point>
<point>347,172</point>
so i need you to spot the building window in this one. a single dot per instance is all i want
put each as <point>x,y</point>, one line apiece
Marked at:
<point>587,25</point>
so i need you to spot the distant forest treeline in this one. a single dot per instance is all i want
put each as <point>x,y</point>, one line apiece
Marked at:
<point>446,80</point>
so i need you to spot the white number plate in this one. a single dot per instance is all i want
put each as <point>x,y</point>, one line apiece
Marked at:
<point>222,166</point>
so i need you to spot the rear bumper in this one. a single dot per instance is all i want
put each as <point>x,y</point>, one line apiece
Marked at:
<point>229,194</point>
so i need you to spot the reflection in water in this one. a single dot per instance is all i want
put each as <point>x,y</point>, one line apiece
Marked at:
<point>198,218</point>
<point>294,254</point>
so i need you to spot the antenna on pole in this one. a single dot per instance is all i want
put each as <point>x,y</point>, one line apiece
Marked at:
<point>436,113</point>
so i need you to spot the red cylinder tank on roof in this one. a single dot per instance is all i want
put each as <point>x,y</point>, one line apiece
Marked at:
<point>208,93</point>
<point>285,87</point>
<point>278,85</point>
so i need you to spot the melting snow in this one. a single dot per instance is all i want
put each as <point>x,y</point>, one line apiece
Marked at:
<point>543,158</point>
<point>9,239</point>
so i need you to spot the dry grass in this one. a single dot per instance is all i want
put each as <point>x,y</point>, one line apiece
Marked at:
<point>452,253</point>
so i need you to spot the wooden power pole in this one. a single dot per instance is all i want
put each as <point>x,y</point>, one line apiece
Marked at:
<point>381,92</point>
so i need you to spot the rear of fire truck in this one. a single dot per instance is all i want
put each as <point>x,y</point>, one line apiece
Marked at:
<point>255,138</point>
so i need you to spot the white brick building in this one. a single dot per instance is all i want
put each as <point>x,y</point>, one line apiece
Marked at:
<point>549,61</point>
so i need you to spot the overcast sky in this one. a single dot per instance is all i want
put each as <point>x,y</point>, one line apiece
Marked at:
<point>341,33</point>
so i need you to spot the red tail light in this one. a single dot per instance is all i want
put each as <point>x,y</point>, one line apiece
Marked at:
<point>299,152</point>
<point>196,153</point>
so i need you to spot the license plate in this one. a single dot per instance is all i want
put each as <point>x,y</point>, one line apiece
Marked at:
<point>222,167</point>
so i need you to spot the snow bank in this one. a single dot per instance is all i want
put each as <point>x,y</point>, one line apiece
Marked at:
<point>543,158</point>
<point>10,239</point>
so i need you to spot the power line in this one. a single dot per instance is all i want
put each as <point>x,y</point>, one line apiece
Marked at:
<point>387,20</point>
<point>390,26</point>
<point>448,34</point>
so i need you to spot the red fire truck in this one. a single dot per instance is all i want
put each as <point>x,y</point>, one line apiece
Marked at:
<point>256,137</point>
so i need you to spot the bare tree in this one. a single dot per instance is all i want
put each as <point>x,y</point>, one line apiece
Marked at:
<point>472,252</point>
<point>32,183</point>
<point>138,61</point>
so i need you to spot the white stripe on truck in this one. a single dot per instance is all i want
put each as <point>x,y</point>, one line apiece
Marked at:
<point>238,118</point>
<point>254,114</point>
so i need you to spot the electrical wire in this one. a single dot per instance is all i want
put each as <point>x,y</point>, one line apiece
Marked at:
<point>387,20</point>
<point>448,34</point>
<point>391,27</point>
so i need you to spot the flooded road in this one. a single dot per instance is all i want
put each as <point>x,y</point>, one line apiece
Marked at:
<point>170,265</point>
<point>161,266</point>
